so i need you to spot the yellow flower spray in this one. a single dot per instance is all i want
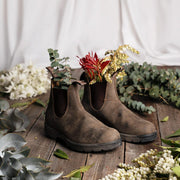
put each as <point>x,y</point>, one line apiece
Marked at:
<point>117,58</point>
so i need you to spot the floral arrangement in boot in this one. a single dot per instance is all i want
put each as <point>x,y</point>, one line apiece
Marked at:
<point>94,67</point>
<point>59,69</point>
<point>99,70</point>
<point>118,58</point>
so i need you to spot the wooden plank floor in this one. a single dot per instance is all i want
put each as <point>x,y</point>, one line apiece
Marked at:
<point>104,162</point>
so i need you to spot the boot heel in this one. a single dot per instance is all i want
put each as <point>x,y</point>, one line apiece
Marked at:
<point>50,132</point>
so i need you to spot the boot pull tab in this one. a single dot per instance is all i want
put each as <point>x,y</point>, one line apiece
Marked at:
<point>50,70</point>
<point>73,81</point>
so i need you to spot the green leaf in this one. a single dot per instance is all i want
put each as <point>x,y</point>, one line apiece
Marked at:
<point>82,169</point>
<point>154,91</point>
<point>121,90</point>
<point>28,103</point>
<point>147,85</point>
<point>20,104</point>
<point>173,97</point>
<point>123,99</point>
<point>165,94</point>
<point>138,88</point>
<point>171,143</point>
<point>50,50</point>
<point>147,76</point>
<point>54,64</point>
<point>138,106</point>
<point>176,170</point>
<point>134,104</point>
<point>61,154</point>
<point>52,59</point>
<point>175,134</point>
<point>165,119</point>
<point>81,92</point>
<point>76,176</point>
<point>178,103</point>
<point>143,107</point>
<point>130,89</point>
<point>38,101</point>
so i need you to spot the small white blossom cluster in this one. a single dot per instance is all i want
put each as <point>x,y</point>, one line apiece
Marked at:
<point>24,81</point>
<point>165,163</point>
<point>149,166</point>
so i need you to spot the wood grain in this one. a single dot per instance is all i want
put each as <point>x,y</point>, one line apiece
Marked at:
<point>133,150</point>
<point>104,163</point>
<point>40,145</point>
<point>173,124</point>
<point>76,160</point>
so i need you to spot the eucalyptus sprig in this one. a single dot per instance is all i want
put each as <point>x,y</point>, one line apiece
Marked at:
<point>60,71</point>
<point>11,119</point>
<point>148,80</point>
<point>14,161</point>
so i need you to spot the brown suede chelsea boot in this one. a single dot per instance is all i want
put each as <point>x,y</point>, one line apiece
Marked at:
<point>67,120</point>
<point>102,101</point>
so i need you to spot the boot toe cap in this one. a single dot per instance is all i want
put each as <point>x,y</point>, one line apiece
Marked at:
<point>109,136</point>
<point>149,128</point>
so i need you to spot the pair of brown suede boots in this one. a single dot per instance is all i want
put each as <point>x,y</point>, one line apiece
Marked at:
<point>99,123</point>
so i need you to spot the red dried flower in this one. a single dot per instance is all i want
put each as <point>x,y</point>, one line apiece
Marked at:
<point>93,65</point>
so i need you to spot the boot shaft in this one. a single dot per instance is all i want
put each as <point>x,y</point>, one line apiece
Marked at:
<point>95,95</point>
<point>61,100</point>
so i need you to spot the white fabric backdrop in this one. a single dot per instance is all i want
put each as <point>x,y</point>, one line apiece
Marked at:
<point>29,27</point>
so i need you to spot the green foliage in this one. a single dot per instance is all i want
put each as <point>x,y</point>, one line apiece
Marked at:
<point>174,147</point>
<point>14,163</point>
<point>76,172</point>
<point>148,80</point>
<point>24,105</point>
<point>175,134</point>
<point>11,120</point>
<point>165,119</point>
<point>76,176</point>
<point>61,154</point>
<point>176,170</point>
<point>61,71</point>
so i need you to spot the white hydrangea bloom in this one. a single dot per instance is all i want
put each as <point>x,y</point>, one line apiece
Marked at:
<point>24,81</point>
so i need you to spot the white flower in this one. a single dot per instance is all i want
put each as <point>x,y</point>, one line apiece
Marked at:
<point>162,164</point>
<point>24,81</point>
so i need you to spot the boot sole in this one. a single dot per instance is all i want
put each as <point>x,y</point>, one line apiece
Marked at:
<point>138,139</point>
<point>54,134</point>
